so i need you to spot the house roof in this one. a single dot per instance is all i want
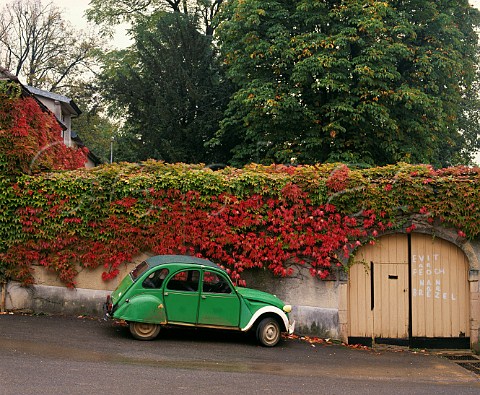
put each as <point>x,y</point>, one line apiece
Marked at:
<point>68,103</point>
<point>6,75</point>
<point>30,91</point>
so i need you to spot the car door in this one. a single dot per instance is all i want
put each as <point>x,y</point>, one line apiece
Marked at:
<point>144,300</point>
<point>148,304</point>
<point>219,303</point>
<point>181,295</point>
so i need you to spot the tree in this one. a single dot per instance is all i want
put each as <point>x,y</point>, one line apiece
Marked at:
<point>360,81</point>
<point>96,132</point>
<point>168,88</point>
<point>129,143</point>
<point>113,12</point>
<point>39,46</point>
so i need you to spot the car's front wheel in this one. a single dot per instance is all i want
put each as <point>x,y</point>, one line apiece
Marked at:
<point>144,331</point>
<point>268,332</point>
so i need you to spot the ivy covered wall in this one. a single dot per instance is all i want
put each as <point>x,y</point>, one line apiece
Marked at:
<point>272,217</point>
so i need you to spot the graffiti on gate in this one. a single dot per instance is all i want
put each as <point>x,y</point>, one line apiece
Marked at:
<point>428,278</point>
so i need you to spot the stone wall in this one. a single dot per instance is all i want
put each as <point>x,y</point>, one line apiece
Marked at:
<point>320,308</point>
<point>315,302</point>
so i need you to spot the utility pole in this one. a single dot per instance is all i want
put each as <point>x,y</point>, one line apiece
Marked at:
<point>111,149</point>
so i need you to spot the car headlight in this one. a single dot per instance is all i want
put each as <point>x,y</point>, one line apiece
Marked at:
<point>287,308</point>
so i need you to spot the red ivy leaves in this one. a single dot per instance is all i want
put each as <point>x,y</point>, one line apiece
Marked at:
<point>283,224</point>
<point>31,141</point>
<point>338,179</point>
<point>257,231</point>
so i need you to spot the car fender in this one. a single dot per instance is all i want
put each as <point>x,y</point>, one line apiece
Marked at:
<point>142,308</point>
<point>264,310</point>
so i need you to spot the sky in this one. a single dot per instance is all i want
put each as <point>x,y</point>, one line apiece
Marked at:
<point>74,12</point>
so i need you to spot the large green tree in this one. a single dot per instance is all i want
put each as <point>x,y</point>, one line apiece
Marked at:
<point>363,81</point>
<point>113,12</point>
<point>169,90</point>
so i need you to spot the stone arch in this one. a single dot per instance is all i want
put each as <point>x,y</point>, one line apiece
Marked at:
<point>470,248</point>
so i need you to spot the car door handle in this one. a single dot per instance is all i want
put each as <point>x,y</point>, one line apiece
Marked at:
<point>204,297</point>
<point>166,293</point>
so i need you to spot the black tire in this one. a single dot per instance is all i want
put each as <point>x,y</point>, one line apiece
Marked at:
<point>268,332</point>
<point>144,331</point>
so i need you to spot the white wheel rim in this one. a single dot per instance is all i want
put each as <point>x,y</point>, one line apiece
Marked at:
<point>145,330</point>
<point>271,333</point>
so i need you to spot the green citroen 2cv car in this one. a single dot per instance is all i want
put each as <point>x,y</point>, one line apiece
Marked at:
<point>183,290</point>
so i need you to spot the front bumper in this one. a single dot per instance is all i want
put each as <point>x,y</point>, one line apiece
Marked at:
<point>291,327</point>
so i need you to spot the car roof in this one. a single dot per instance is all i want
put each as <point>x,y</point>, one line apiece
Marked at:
<point>165,259</point>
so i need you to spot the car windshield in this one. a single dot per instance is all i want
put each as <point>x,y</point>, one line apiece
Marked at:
<point>138,271</point>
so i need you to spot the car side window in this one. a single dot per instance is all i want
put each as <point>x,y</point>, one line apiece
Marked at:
<point>155,279</point>
<point>215,283</point>
<point>186,280</point>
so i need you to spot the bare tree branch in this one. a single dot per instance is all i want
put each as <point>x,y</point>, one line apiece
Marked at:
<point>38,45</point>
<point>113,12</point>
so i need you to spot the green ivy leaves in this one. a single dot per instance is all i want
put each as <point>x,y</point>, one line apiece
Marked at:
<point>258,216</point>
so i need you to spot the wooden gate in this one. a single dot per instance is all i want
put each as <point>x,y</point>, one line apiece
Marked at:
<point>409,290</point>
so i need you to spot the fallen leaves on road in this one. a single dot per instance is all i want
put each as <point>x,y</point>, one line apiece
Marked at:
<point>313,340</point>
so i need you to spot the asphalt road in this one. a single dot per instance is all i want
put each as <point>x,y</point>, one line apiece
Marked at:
<point>61,355</point>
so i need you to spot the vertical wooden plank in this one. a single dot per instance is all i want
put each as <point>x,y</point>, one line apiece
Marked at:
<point>359,301</point>
<point>440,294</point>
<point>390,315</point>
<point>438,258</point>
<point>378,316</point>
<point>389,304</point>
<point>419,290</point>
<point>439,288</point>
<point>446,279</point>
<point>403,292</point>
<point>459,294</point>
<point>391,300</point>
<point>378,257</point>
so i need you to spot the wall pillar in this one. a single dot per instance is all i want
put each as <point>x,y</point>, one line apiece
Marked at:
<point>474,310</point>
<point>343,310</point>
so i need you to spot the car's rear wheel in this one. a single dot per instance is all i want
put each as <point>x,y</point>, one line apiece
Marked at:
<point>268,332</point>
<point>144,331</point>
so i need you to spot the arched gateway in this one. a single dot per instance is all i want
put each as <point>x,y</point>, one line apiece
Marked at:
<point>410,290</point>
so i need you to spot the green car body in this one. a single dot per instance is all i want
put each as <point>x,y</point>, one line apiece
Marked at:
<point>188,291</point>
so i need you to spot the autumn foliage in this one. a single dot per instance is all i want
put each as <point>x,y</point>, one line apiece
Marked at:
<point>31,137</point>
<point>270,217</point>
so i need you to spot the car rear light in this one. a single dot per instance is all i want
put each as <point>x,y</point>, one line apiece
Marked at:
<point>108,304</point>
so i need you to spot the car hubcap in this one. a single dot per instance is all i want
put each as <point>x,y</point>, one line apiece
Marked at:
<point>271,333</point>
<point>145,329</point>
